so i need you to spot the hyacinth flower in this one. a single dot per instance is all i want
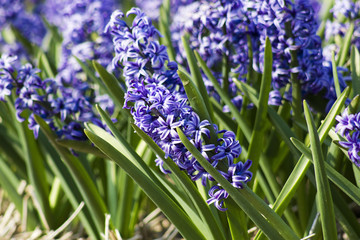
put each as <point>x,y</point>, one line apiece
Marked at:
<point>236,31</point>
<point>343,20</point>
<point>219,31</point>
<point>25,22</point>
<point>158,103</point>
<point>349,128</point>
<point>291,26</point>
<point>81,24</point>
<point>64,108</point>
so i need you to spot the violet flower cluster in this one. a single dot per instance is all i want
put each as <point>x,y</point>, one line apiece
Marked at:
<point>159,105</point>
<point>28,23</point>
<point>65,109</point>
<point>218,30</point>
<point>226,29</point>
<point>290,27</point>
<point>65,102</point>
<point>349,127</point>
<point>343,13</point>
<point>81,25</point>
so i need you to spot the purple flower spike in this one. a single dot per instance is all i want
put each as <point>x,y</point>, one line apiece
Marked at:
<point>158,102</point>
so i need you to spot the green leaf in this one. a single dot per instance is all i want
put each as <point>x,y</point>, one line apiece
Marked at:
<point>345,216</point>
<point>44,64</point>
<point>258,133</point>
<point>277,121</point>
<point>88,71</point>
<point>325,202</point>
<point>335,74</point>
<point>36,170</point>
<point>355,70</point>
<point>225,97</point>
<point>223,118</point>
<point>105,143</point>
<point>187,185</point>
<point>11,152</point>
<point>196,74</point>
<point>164,29</point>
<point>194,96</point>
<point>10,183</point>
<point>123,146</point>
<point>346,186</point>
<point>80,146</point>
<point>69,186</point>
<point>354,106</point>
<point>86,185</point>
<point>338,179</point>
<point>237,220</point>
<point>325,14</point>
<point>344,49</point>
<point>31,48</point>
<point>300,169</point>
<point>258,211</point>
<point>112,85</point>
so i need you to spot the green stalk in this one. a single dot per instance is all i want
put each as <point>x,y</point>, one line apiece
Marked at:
<point>296,86</point>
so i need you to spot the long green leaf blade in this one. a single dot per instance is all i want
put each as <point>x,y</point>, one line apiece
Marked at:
<point>196,74</point>
<point>338,179</point>
<point>325,202</point>
<point>303,164</point>
<point>160,198</point>
<point>225,97</point>
<point>267,220</point>
<point>188,186</point>
<point>86,185</point>
<point>112,85</point>
<point>344,50</point>
<point>197,102</point>
<point>257,137</point>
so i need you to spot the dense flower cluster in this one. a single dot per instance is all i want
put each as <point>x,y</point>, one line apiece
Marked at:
<point>290,27</point>
<point>159,104</point>
<point>349,127</point>
<point>81,25</point>
<point>65,109</point>
<point>218,30</point>
<point>28,23</point>
<point>65,102</point>
<point>224,30</point>
<point>337,25</point>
